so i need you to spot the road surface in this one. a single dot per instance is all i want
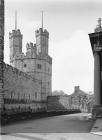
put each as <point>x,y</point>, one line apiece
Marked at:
<point>73,123</point>
<point>71,127</point>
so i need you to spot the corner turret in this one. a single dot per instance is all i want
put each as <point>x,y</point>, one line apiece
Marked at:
<point>42,41</point>
<point>15,41</point>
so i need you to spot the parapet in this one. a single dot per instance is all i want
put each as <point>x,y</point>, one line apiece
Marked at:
<point>19,56</point>
<point>49,59</point>
<point>43,57</point>
<point>30,48</point>
<point>41,32</point>
<point>76,88</point>
<point>29,45</point>
<point>15,33</point>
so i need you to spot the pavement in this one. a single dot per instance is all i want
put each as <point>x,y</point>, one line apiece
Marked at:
<point>51,136</point>
<point>97,127</point>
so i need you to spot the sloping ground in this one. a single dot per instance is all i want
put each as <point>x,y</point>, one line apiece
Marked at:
<point>73,123</point>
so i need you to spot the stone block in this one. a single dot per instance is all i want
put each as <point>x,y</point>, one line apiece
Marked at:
<point>97,111</point>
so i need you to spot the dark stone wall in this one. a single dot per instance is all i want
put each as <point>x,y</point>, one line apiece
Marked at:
<point>1,50</point>
<point>58,103</point>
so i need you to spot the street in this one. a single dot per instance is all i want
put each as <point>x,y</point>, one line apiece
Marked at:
<point>65,127</point>
<point>73,123</point>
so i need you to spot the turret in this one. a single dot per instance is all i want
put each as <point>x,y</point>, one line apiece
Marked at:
<point>15,42</point>
<point>76,89</point>
<point>42,39</point>
<point>30,48</point>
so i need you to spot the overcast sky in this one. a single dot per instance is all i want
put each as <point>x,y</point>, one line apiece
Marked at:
<point>68,22</point>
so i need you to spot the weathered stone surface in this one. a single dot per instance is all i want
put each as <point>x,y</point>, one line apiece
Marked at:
<point>58,102</point>
<point>97,111</point>
<point>21,90</point>
<point>36,55</point>
<point>1,51</point>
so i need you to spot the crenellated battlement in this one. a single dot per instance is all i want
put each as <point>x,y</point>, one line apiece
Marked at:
<point>18,56</point>
<point>41,32</point>
<point>46,58</point>
<point>15,33</point>
<point>30,48</point>
<point>32,54</point>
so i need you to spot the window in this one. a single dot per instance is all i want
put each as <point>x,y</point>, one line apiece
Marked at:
<point>39,66</point>
<point>25,65</point>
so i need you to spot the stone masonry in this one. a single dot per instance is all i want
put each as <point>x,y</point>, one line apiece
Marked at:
<point>36,62</point>
<point>1,51</point>
<point>21,90</point>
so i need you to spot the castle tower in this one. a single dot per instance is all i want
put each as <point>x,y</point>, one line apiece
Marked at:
<point>44,61</point>
<point>96,43</point>
<point>15,42</point>
<point>42,39</point>
<point>1,51</point>
<point>36,62</point>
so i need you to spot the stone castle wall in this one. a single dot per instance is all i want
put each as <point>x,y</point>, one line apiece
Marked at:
<point>1,51</point>
<point>29,64</point>
<point>58,103</point>
<point>19,83</point>
<point>20,89</point>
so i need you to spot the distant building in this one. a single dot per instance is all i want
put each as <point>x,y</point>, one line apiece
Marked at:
<point>91,102</point>
<point>77,100</point>
<point>81,100</point>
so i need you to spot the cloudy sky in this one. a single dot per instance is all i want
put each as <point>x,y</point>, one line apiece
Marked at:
<point>69,22</point>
